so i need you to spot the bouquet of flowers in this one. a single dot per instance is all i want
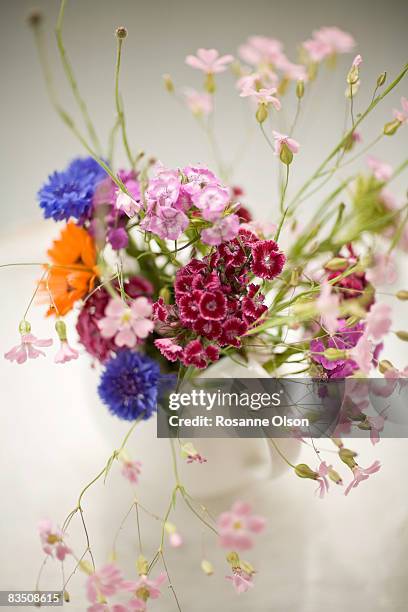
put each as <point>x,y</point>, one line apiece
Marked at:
<point>168,273</point>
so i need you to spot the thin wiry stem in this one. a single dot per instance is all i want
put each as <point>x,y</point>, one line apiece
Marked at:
<point>119,104</point>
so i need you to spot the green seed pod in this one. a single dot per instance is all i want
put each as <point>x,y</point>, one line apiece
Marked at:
<point>300,89</point>
<point>337,263</point>
<point>391,127</point>
<point>332,354</point>
<point>168,83</point>
<point>121,32</point>
<point>24,327</point>
<point>209,83</point>
<point>402,335</point>
<point>381,79</point>
<point>286,155</point>
<point>262,113</point>
<point>402,295</point>
<point>61,329</point>
<point>347,456</point>
<point>385,365</point>
<point>304,471</point>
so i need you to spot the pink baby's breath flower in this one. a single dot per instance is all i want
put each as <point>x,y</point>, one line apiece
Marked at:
<point>212,201</point>
<point>328,306</point>
<point>381,170</point>
<point>169,348</point>
<point>127,204</point>
<point>363,353</point>
<point>105,582</point>
<point>131,471</point>
<point>328,41</point>
<point>52,540</point>
<point>402,115</point>
<point>383,271</point>
<point>241,580</point>
<point>361,474</point>
<point>378,322</point>
<point>189,453</point>
<point>268,261</point>
<point>145,588</point>
<point>377,425</point>
<point>209,61</point>
<point>261,50</point>
<point>200,103</point>
<point>283,139</point>
<point>66,353</point>
<point>237,526</point>
<point>322,473</point>
<point>27,349</point>
<point>127,324</point>
<point>262,96</point>
<point>223,230</point>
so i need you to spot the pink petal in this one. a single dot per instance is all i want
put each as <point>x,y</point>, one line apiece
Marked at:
<point>141,307</point>
<point>115,308</point>
<point>125,337</point>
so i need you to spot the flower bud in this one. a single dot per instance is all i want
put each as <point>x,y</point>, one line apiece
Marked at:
<point>402,295</point>
<point>332,354</point>
<point>142,566</point>
<point>381,79</point>
<point>304,471</point>
<point>165,294</point>
<point>283,86</point>
<point>352,77</point>
<point>262,113</point>
<point>207,567</point>
<point>402,335</point>
<point>286,155</point>
<point>24,327</point>
<point>121,32</point>
<point>86,567</point>
<point>34,17</point>
<point>67,598</point>
<point>233,559</point>
<point>385,366</point>
<point>247,567</point>
<point>347,456</point>
<point>61,329</point>
<point>209,83</point>
<point>312,71</point>
<point>294,278</point>
<point>300,89</point>
<point>335,476</point>
<point>168,83</point>
<point>391,127</point>
<point>337,263</point>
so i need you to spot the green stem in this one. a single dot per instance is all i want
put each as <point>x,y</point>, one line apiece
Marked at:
<point>119,105</point>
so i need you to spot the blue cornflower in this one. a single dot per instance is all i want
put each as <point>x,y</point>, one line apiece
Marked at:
<point>131,385</point>
<point>69,193</point>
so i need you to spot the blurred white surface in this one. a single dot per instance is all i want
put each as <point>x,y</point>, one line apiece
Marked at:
<point>338,553</point>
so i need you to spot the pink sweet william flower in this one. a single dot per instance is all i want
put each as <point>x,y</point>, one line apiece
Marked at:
<point>283,139</point>
<point>105,582</point>
<point>383,271</point>
<point>361,474</point>
<point>127,204</point>
<point>381,170</point>
<point>199,103</point>
<point>212,201</point>
<point>223,230</point>
<point>167,222</point>
<point>267,260</point>
<point>402,115</point>
<point>363,353</point>
<point>27,349</point>
<point>52,540</point>
<point>127,324</point>
<point>378,322</point>
<point>328,304</point>
<point>66,353</point>
<point>241,580</point>
<point>209,61</point>
<point>131,471</point>
<point>169,348</point>
<point>237,526</point>
<point>262,96</point>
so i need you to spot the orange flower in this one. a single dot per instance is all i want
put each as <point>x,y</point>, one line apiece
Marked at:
<point>72,275</point>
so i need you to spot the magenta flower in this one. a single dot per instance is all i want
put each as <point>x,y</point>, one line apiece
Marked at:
<point>402,115</point>
<point>361,474</point>
<point>212,201</point>
<point>169,348</point>
<point>52,540</point>
<point>241,580</point>
<point>209,61</point>
<point>223,230</point>
<point>131,471</point>
<point>200,103</point>
<point>383,271</point>
<point>213,305</point>
<point>237,526</point>
<point>167,222</point>
<point>27,349</point>
<point>262,96</point>
<point>378,322</point>
<point>268,261</point>
<point>197,355</point>
<point>127,324</point>
<point>381,170</point>
<point>66,353</point>
<point>328,306</point>
<point>283,139</point>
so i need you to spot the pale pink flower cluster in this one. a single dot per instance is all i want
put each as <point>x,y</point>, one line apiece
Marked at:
<point>172,195</point>
<point>127,324</point>
<point>267,55</point>
<point>328,41</point>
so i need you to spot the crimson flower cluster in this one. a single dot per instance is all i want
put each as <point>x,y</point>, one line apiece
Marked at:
<point>215,302</point>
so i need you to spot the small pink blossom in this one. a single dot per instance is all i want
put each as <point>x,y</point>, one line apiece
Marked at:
<point>361,474</point>
<point>105,582</point>
<point>262,96</point>
<point>212,201</point>
<point>394,373</point>
<point>328,304</point>
<point>131,471</point>
<point>241,580</point>
<point>381,170</point>
<point>164,188</point>
<point>378,322</point>
<point>377,425</point>
<point>261,50</point>
<point>127,204</point>
<point>363,353</point>
<point>66,353</point>
<point>236,527</point>
<point>169,348</point>
<point>27,349</point>
<point>145,589</point>
<point>199,103</point>
<point>383,272</point>
<point>127,324</point>
<point>322,472</point>
<point>283,139</point>
<point>223,230</point>
<point>328,41</point>
<point>402,115</point>
<point>209,61</point>
<point>189,453</point>
<point>176,540</point>
<point>167,222</point>
<point>357,61</point>
<point>52,540</point>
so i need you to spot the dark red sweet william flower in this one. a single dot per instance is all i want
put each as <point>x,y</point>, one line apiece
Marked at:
<point>267,260</point>
<point>213,305</point>
<point>209,329</point>
<point>232,330</point>
<point>188,306</point>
